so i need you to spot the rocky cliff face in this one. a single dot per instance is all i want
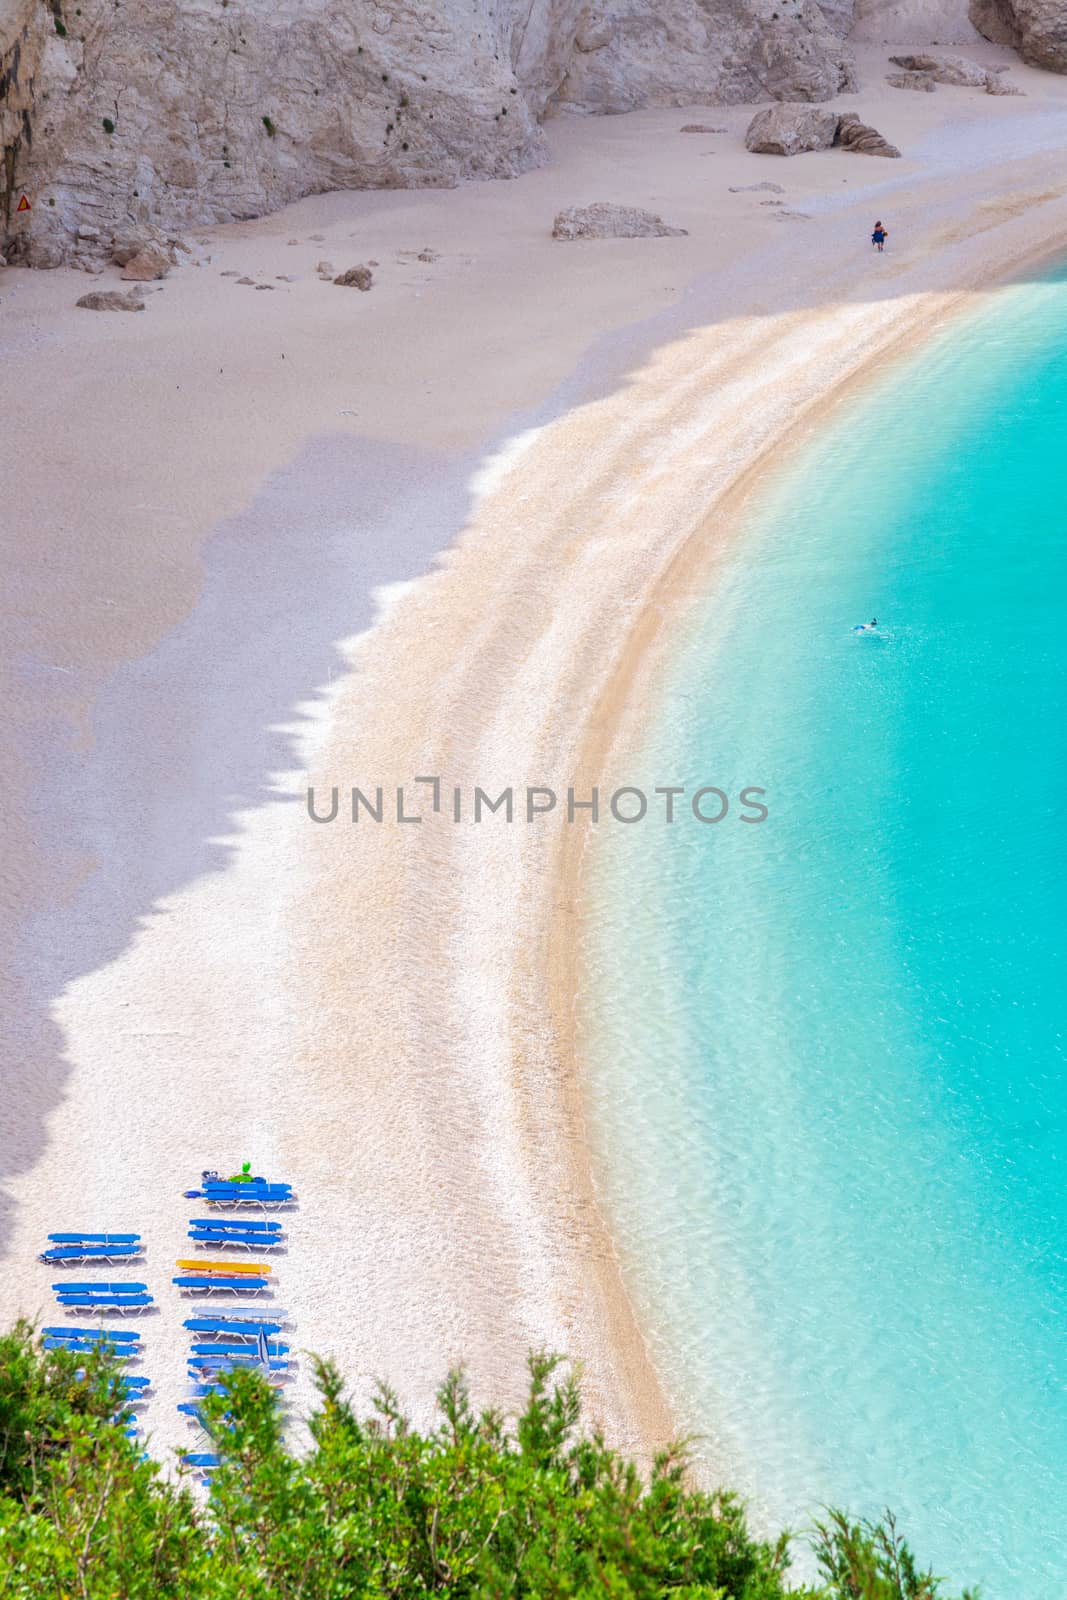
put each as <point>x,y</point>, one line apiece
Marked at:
<point>1036,28</point>
<point>185,111</point>
<point>681,52</point>
<point>21,42</point>
<point>192,111</point>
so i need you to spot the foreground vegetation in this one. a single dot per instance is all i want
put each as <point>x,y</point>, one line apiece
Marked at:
<point>475,1508</point>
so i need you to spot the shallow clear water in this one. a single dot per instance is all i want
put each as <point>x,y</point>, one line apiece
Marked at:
<point>826,1054</point>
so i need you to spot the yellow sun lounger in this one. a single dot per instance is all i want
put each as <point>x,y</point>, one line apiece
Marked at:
<point>228,1269</point>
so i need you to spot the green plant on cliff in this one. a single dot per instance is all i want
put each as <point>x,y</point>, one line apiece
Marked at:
<point>474,1509</point>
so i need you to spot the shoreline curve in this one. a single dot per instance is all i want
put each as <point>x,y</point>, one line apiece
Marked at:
<point>614,727</point>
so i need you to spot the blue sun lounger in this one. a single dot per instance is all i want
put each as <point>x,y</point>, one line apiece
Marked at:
<point>95,1335</point>
<point>204,1388</point>
<point>236,1224</point>
<point>245,1241</point>
<point>83,1347</point>
<point>237,1327</point>
<point>192,1408</point>
<point>105,1302</point>
<point>74,1254</point>
<point>249,1194</point>
<point>94,1238</point>
<point>205,1283</point>
<point>233,1361</point>
<point>135,1395</point>
<point>96,1290</point>
<point>257,1227</point>
<point>239,1351</point>
<point>102,1288</point>
<point>111,1303</point>
<point>258,1181</point>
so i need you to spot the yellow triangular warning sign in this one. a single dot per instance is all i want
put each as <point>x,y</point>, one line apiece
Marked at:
<point>23,205</point>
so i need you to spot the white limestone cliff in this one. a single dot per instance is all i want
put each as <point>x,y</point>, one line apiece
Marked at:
<point>181,112</point>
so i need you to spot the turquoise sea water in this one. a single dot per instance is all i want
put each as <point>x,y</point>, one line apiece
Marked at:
<point>826,1054</point>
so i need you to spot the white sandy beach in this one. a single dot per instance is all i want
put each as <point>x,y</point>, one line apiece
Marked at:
<point>258,540</point>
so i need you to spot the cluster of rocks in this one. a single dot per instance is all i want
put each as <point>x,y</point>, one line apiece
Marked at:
<point>925,72</point>
<point>789,130</point>
<point>144,253</point>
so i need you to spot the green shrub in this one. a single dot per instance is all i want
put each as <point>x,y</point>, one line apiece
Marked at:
<point>474,1509</point>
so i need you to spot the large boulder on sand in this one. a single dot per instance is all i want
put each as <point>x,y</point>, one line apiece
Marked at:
<point>355,278</point>
<point>790,128</point>
<point>110,300</point>
<point>604,221</point>
<point>147,265</point>
<point>1036,28</point>
<point>860,138</point>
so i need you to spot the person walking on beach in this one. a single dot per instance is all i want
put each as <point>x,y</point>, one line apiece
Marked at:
<point>879,237</point>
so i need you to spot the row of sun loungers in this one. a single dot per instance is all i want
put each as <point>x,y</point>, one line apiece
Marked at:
<point>128,1296</point>
<point>239,1339</point>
